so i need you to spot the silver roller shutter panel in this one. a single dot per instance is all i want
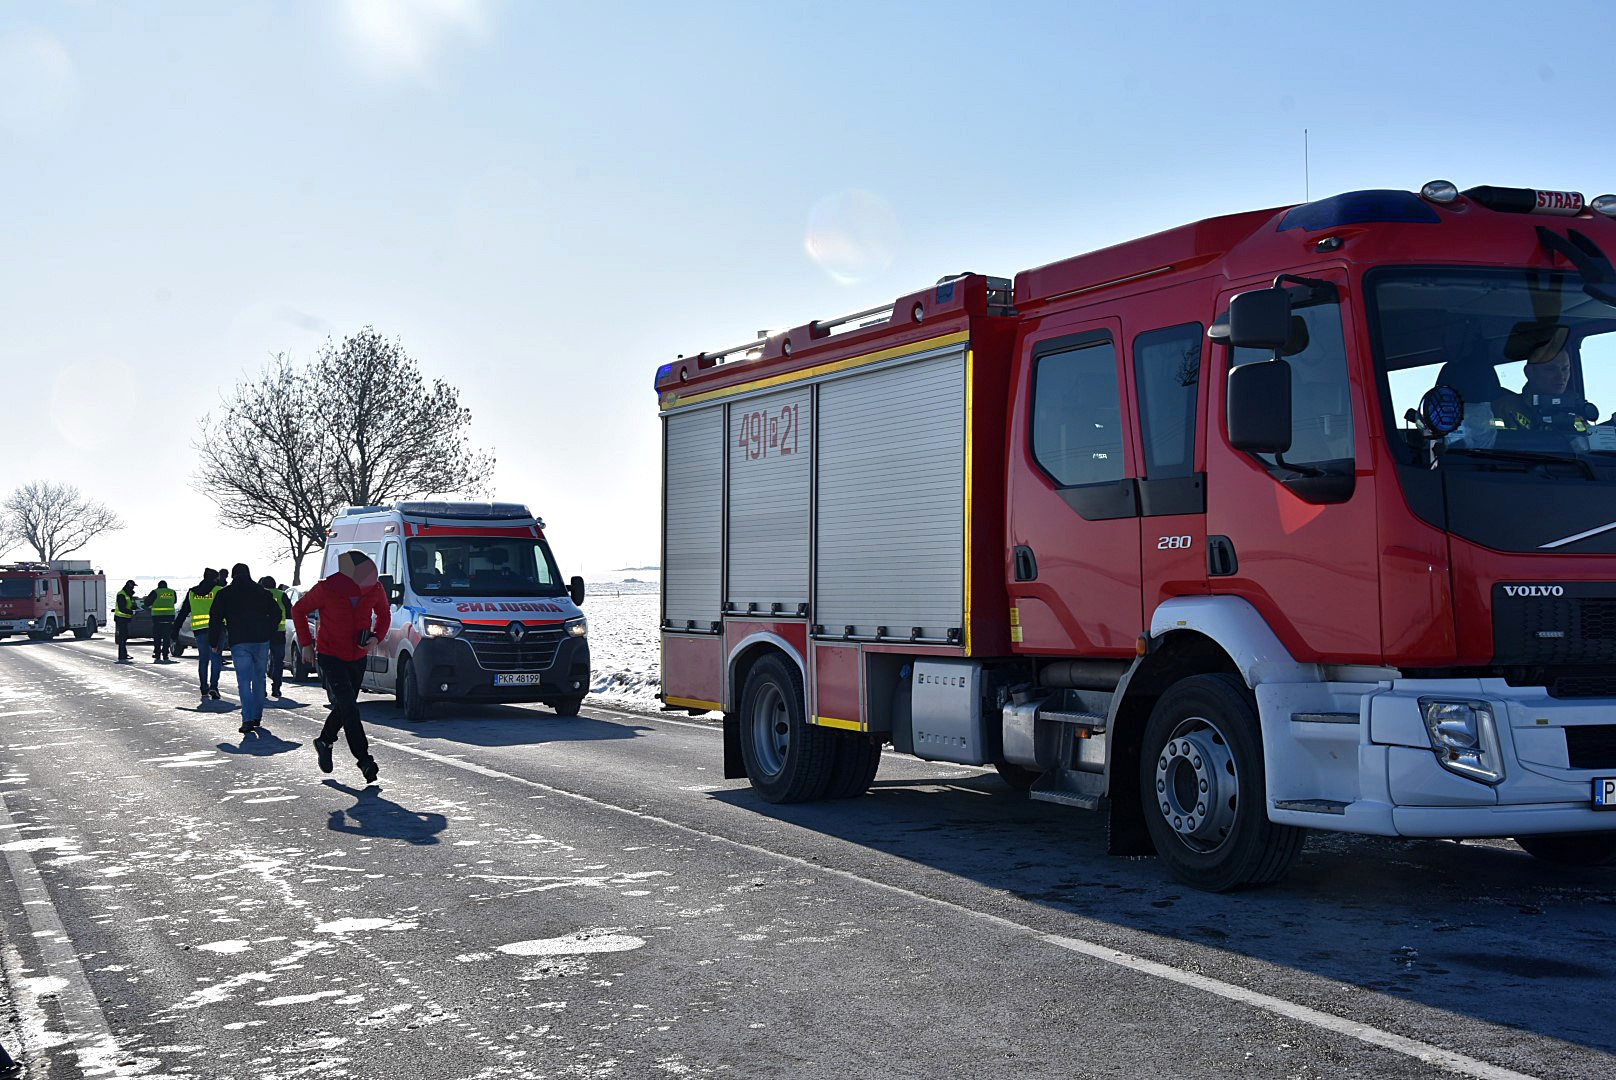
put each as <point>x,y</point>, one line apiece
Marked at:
<point>770,455</point>
<point>693,522</point>
<point>892,500</point>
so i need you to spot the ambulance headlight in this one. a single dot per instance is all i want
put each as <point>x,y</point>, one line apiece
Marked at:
<point>1464,738</point>
<point>578,627</point>
<point>437,628</point>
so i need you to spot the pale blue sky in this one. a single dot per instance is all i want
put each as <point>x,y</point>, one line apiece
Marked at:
<point>547,201</point>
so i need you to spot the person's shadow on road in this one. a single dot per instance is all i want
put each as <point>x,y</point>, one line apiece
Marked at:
<point>379,818</point>
<point>260,742</point>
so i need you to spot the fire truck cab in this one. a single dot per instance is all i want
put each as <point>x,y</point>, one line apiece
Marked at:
<point>479,610</point>
<point>44,599</point>
<point>1292,519</point>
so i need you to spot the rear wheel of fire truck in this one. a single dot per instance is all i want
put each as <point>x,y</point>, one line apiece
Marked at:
<point>1201,780</point>
<point>87,631</point>
<point>856,763</point>
<point>787,759</point>
<point>408,694</point>
<point>1572,849</point>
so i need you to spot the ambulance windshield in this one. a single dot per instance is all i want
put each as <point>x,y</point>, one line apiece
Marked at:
<point>481,566</point>
<point>1483,366</point>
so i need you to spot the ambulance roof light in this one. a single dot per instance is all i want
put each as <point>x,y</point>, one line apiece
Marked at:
<point>1440,191</point>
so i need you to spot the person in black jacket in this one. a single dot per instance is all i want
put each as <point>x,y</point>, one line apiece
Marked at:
<point>249,614</point>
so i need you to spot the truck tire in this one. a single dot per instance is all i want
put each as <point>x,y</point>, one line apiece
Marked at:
<point>568,706</point>
<point>1572,849</point>
<point>787,759</point>
<point>87,631</point>
<point>1019,777</point>
<point>1203,788</point>
<point>409,694</point>
<point>856,763</point>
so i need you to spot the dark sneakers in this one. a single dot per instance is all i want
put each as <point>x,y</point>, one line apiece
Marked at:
<point>368,770</point>
<point>213,692</point>
<point>322,750</point>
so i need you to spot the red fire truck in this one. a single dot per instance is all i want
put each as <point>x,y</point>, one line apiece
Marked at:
<point>1229,532</point>
<point>44,599</point>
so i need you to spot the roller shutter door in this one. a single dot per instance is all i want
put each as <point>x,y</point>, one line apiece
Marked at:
<point>693,517</point>
<point>892,500</point>
<point>770,455</point>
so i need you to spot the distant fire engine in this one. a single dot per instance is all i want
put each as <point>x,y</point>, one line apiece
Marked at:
<point>46,599</point>
<point>1230,532</point>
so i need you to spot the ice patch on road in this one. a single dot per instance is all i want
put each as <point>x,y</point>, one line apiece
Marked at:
<point>195,759</point>
<point>40,843</point>
<point>581,943</point>
<point>301,999</point>
<point>234,945</point>
<point>352,926</point>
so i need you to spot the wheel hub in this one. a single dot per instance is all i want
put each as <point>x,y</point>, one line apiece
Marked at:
<point>1196,784</point>
<point>771,730</point>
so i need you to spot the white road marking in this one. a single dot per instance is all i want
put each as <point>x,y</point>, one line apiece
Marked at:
<point>24,712</point>
<point>98,1052</point>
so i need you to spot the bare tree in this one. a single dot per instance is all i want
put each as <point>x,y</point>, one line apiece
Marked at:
<point>358,426</point>
<point>54,519</point>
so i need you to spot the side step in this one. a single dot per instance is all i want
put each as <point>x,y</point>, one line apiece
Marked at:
<point>1070,787</point>
<point>1312,806</point>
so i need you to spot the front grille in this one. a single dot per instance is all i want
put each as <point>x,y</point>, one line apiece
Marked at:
<point>497,652</point>
<point>1575,686</point>
<point>1592,746</point>
<point>1598,618</point>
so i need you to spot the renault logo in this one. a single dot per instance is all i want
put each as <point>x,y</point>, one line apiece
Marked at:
<point>517,632</point>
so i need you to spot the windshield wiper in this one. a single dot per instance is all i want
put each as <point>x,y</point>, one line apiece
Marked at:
<point>1528,457</point>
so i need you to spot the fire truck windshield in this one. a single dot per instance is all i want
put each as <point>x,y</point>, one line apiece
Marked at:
<point>16,588</point>
<point>481,566</point>
<point>1528,360</point>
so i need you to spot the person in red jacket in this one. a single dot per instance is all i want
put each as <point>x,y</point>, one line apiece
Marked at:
<point>353,613</point>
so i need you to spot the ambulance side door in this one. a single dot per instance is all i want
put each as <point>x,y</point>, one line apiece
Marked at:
<point>381,673</point>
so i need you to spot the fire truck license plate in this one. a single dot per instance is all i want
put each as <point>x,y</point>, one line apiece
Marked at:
<point>1605,793</point>
<point>534,680</point>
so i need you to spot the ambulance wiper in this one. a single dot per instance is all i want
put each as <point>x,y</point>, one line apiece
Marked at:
<point>1529,457</point>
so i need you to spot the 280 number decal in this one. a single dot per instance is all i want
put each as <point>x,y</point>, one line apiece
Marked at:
<point>1174,543</point>
<point>766,433</point>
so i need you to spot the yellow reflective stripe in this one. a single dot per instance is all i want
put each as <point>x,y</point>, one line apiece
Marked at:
<point>831,721</point>
<point>692,703</point>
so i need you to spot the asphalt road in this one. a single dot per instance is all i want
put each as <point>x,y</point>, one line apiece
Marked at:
<point>527,896</point>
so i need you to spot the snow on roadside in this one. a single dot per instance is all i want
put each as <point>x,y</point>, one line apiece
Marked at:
<point>623,641</point>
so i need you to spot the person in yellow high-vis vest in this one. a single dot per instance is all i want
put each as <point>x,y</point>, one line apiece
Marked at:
<point>122,612</point>
<point>198,606</point>
<point>277,640</point>
<point>160,602</point>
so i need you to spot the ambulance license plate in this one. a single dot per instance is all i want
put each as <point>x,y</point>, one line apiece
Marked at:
<point>1605,793</point>
<point>534,680</point>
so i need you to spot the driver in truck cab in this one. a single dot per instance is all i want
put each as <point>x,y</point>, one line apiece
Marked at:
<point>1542,403</point>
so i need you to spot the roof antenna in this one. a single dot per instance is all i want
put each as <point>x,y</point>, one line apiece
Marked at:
<point>1307,178</point>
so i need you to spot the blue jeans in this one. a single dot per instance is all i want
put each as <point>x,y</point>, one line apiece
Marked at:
<point>251,659</point>
<point>203,653</point>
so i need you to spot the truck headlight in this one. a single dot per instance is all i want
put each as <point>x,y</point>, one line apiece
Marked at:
<point>578,627</point>
<point>1464,738</point>
<point>437,628</point>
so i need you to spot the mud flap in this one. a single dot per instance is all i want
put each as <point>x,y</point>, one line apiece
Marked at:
<point>734,766</point>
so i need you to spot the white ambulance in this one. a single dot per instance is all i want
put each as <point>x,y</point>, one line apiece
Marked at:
<point>480,613</point>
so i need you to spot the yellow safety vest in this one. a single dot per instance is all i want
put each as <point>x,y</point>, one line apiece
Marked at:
<point>162,602</point>
<point>286,608</point>
<point>201,604</point>
<point>125,609</point>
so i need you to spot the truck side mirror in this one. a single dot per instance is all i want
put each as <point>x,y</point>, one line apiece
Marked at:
<point>576,588</point>
<point>1259,406</point>
<point>1260,320</point>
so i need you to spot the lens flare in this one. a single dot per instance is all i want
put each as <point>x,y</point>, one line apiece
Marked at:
<point>852,235</point>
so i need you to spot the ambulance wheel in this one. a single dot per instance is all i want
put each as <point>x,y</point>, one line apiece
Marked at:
<point>1019,777</point>
<point>787,759</point>
<point>568,706</point>
<point>857,761</point>
<point>1204,793</point>
<point>409,694</point>
<point>1572,849</point>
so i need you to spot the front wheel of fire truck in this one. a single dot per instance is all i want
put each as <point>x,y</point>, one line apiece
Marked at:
<point>1572,849</point>
<point>787,759</point>
<point>1202,784</point>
